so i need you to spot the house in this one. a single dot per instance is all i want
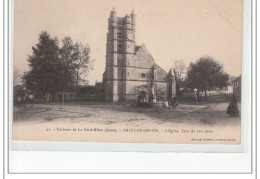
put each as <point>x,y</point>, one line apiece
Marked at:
<point>237,88</point>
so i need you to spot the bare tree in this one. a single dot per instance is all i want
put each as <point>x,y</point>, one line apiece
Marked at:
<point>83,63</point>
<point>76,61</point>
<point>179,70</point>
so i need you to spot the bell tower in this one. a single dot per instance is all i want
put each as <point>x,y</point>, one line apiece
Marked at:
<point>120,51</point>
<point>129,42</point>
<point>111,59</point>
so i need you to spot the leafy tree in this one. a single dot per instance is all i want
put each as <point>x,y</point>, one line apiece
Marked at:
<point>45,68</point>
<point>66,57</point>
<point>76,62</point>
<point>206,74</point>
<point>53,69</point>
<point>83,64</point>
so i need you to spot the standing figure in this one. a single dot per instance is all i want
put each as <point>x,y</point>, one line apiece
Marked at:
<point>140,99</point>
<point>172,102</point>
<point>232,109</point>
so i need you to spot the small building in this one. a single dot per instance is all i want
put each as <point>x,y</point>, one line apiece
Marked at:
<point>91,93</point>
<point>229,89</point>
<point>19,94</point>
<point>68,95</point>
<point>237,88</point>
<point>22,95</point>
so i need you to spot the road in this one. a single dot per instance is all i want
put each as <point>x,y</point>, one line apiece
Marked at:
<point>50,122</point>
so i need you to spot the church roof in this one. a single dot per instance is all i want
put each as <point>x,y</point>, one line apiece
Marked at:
<point>137,47</point>
<point>142,54</point>
<point>143,57</point>
<point>158,67</point>
<point>159,73</point>
<point>237,79</point>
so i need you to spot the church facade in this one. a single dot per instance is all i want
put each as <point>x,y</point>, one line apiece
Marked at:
<point>130,69</point>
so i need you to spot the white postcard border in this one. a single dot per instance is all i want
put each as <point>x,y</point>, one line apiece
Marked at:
<point>138,147</point>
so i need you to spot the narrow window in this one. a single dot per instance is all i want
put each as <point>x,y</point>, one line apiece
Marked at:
<point>143,75</point>
<point>119,36</point>
<point>119,48</point>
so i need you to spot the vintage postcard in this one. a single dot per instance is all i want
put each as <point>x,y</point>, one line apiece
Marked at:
<point>127,71</point>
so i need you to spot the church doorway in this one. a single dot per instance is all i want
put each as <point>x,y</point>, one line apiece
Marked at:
<point>143,95</point>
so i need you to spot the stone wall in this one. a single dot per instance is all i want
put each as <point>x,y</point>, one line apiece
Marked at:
<point>140,74</point>
<point>161,91</point>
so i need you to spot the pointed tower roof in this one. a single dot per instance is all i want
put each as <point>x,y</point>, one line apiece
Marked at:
<point>133,10</point>
<point>171,72</point>
<point>113,10</point>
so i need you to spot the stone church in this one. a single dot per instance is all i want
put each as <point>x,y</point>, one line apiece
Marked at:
<point>130,69</point>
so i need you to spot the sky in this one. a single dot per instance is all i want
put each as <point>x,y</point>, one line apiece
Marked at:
<point>170,29</point>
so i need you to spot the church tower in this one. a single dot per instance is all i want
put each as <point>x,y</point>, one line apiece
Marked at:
<point>120,51</point>
<point>131,70</point>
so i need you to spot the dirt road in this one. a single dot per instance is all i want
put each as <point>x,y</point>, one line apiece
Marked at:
<point>125,123</point>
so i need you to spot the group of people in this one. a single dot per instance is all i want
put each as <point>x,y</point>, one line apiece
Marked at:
<point>141,98</point>
<point>172,102</point>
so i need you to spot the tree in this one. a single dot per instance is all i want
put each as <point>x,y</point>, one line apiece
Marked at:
<point>66,59</point>
<point>76,62</point>
<point>206,74</point>
<point>45,68</point>
<point>179,70</point>
<point>83,64</point>
<point>53,69</point>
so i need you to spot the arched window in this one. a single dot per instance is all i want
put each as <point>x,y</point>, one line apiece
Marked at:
<point>143,75</point>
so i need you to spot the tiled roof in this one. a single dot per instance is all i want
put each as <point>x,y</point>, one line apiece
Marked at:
<point>237,79</point>
<point>143,57</point>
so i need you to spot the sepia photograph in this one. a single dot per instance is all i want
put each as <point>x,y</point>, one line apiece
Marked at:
<point>127,71</point>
